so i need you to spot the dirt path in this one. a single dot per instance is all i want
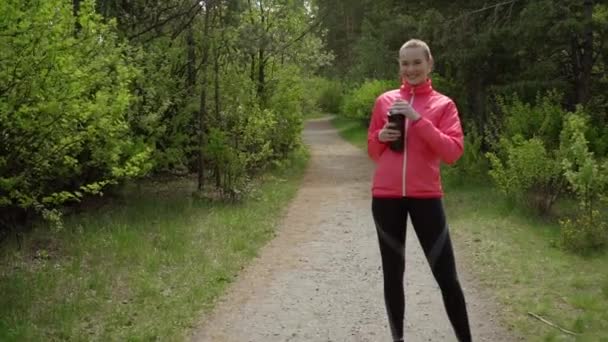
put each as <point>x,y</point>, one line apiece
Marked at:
<point>320,278</point>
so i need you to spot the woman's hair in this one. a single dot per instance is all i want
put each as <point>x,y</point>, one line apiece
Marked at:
<point>414,43</point>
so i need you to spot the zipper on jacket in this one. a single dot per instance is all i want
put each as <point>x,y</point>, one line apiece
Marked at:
<point>405,145</point>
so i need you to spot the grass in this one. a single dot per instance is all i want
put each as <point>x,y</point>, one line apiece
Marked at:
<point>314,114</point>
<point>514,255</point>
<point>143,268</point>
<point>351,130</point>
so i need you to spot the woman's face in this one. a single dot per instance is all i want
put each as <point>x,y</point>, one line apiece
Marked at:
<point>414,67</point>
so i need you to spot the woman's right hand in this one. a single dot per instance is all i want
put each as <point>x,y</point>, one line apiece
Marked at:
<point>388,133</point>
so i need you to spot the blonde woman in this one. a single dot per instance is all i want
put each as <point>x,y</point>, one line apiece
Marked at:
<point>407,182</point>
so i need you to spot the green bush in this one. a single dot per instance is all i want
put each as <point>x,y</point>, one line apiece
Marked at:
<point>452,89</point>
<point>528,173</point>
<point>586,233</point>
<point>331,97</point>
<point>473,165</point>
<point>257,131</point>
<point>358,103</point>
<point>239,146</point>
<point>322,95</point>
<point>542,119</point>
<point>228,162</point>
<point>588,179</point>
<point>286,103</point>
<point>525,159</point>
<point>64,125</point>
<point>597,133</point>
<point>246,138</point>
<point>162,110</point>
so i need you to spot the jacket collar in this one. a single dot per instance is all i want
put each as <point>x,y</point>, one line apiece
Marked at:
<point>422,88</point>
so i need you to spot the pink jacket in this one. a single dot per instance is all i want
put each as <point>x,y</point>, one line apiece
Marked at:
<point>435,137</point>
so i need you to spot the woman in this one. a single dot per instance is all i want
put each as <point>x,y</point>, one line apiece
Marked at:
<point>407,182</point>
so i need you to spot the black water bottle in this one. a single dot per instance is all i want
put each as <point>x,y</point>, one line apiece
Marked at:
<point>398,122</point>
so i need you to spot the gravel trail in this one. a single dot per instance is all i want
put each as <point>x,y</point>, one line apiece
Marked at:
<point>320,280</point>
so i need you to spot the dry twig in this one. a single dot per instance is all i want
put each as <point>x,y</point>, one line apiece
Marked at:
<point>552,324</point>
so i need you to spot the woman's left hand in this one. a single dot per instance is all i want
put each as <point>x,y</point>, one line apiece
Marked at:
<point>403,107</point>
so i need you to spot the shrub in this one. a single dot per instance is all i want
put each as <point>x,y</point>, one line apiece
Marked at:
<point>229,164</point>
<point>542,119</point>
<point>451,88</point>
<point>358,104</point>
<point>473,165</point>
<point>240,146</point>
<point>588,179</point>
<point>331,97</point>
<point>322,94</point>
<point>525,159</point>
<point>587,232</point>
<point>63,118</point>
<point>528,173</point>
<point>286,104</point>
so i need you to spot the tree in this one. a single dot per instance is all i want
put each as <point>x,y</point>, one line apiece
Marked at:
<point>63,107</point>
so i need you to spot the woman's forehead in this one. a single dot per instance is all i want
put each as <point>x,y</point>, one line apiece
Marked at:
<point>416,52</point>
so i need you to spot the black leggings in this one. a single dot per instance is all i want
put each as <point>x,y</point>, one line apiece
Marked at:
<point>428,219</point>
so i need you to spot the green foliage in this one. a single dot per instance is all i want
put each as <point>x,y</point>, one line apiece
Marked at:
<point>452,89</point>
<point>90,100</point>
<point>132,271</point>
<point>542,120</point>
<point>257,129</point>
<point>494,50</point>
<point>472,166</point>
<point>525,159</point>
<point>528,173</point>
<point>584,173</point>
<point>246,138</point>
<point>369,64</point>
<point>272,25</point>
<point>332,97</point>
<point>359,102</point>
<point>228,162</point>
<point>588,179</point>
<point>342,19</point>
<point>597,133</point>
<point>162,112</point>
<point>383,32</point>
<point>525,167</point>
<point>63,114</point>
<point>239,142</point>
<point>286,103</point>
<point>586,233</point>
<point>326,94</point>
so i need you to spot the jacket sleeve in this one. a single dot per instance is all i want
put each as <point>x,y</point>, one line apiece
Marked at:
<point>375,147</point>
<point>445,139</point>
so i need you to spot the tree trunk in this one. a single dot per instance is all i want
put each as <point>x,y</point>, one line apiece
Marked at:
<point>216,90</point>
<point>76,13</point>
<point>216,80</point>
<point>191,56</point>
<point>261,88</point>
<point>252,69</point>
<point>203,104</point>
<point>201,138</point>
<point>477,101</point>
<point>261,77</point>
<point>584,78</point>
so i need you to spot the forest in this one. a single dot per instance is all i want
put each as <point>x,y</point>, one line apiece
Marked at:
<point>96,96</point>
